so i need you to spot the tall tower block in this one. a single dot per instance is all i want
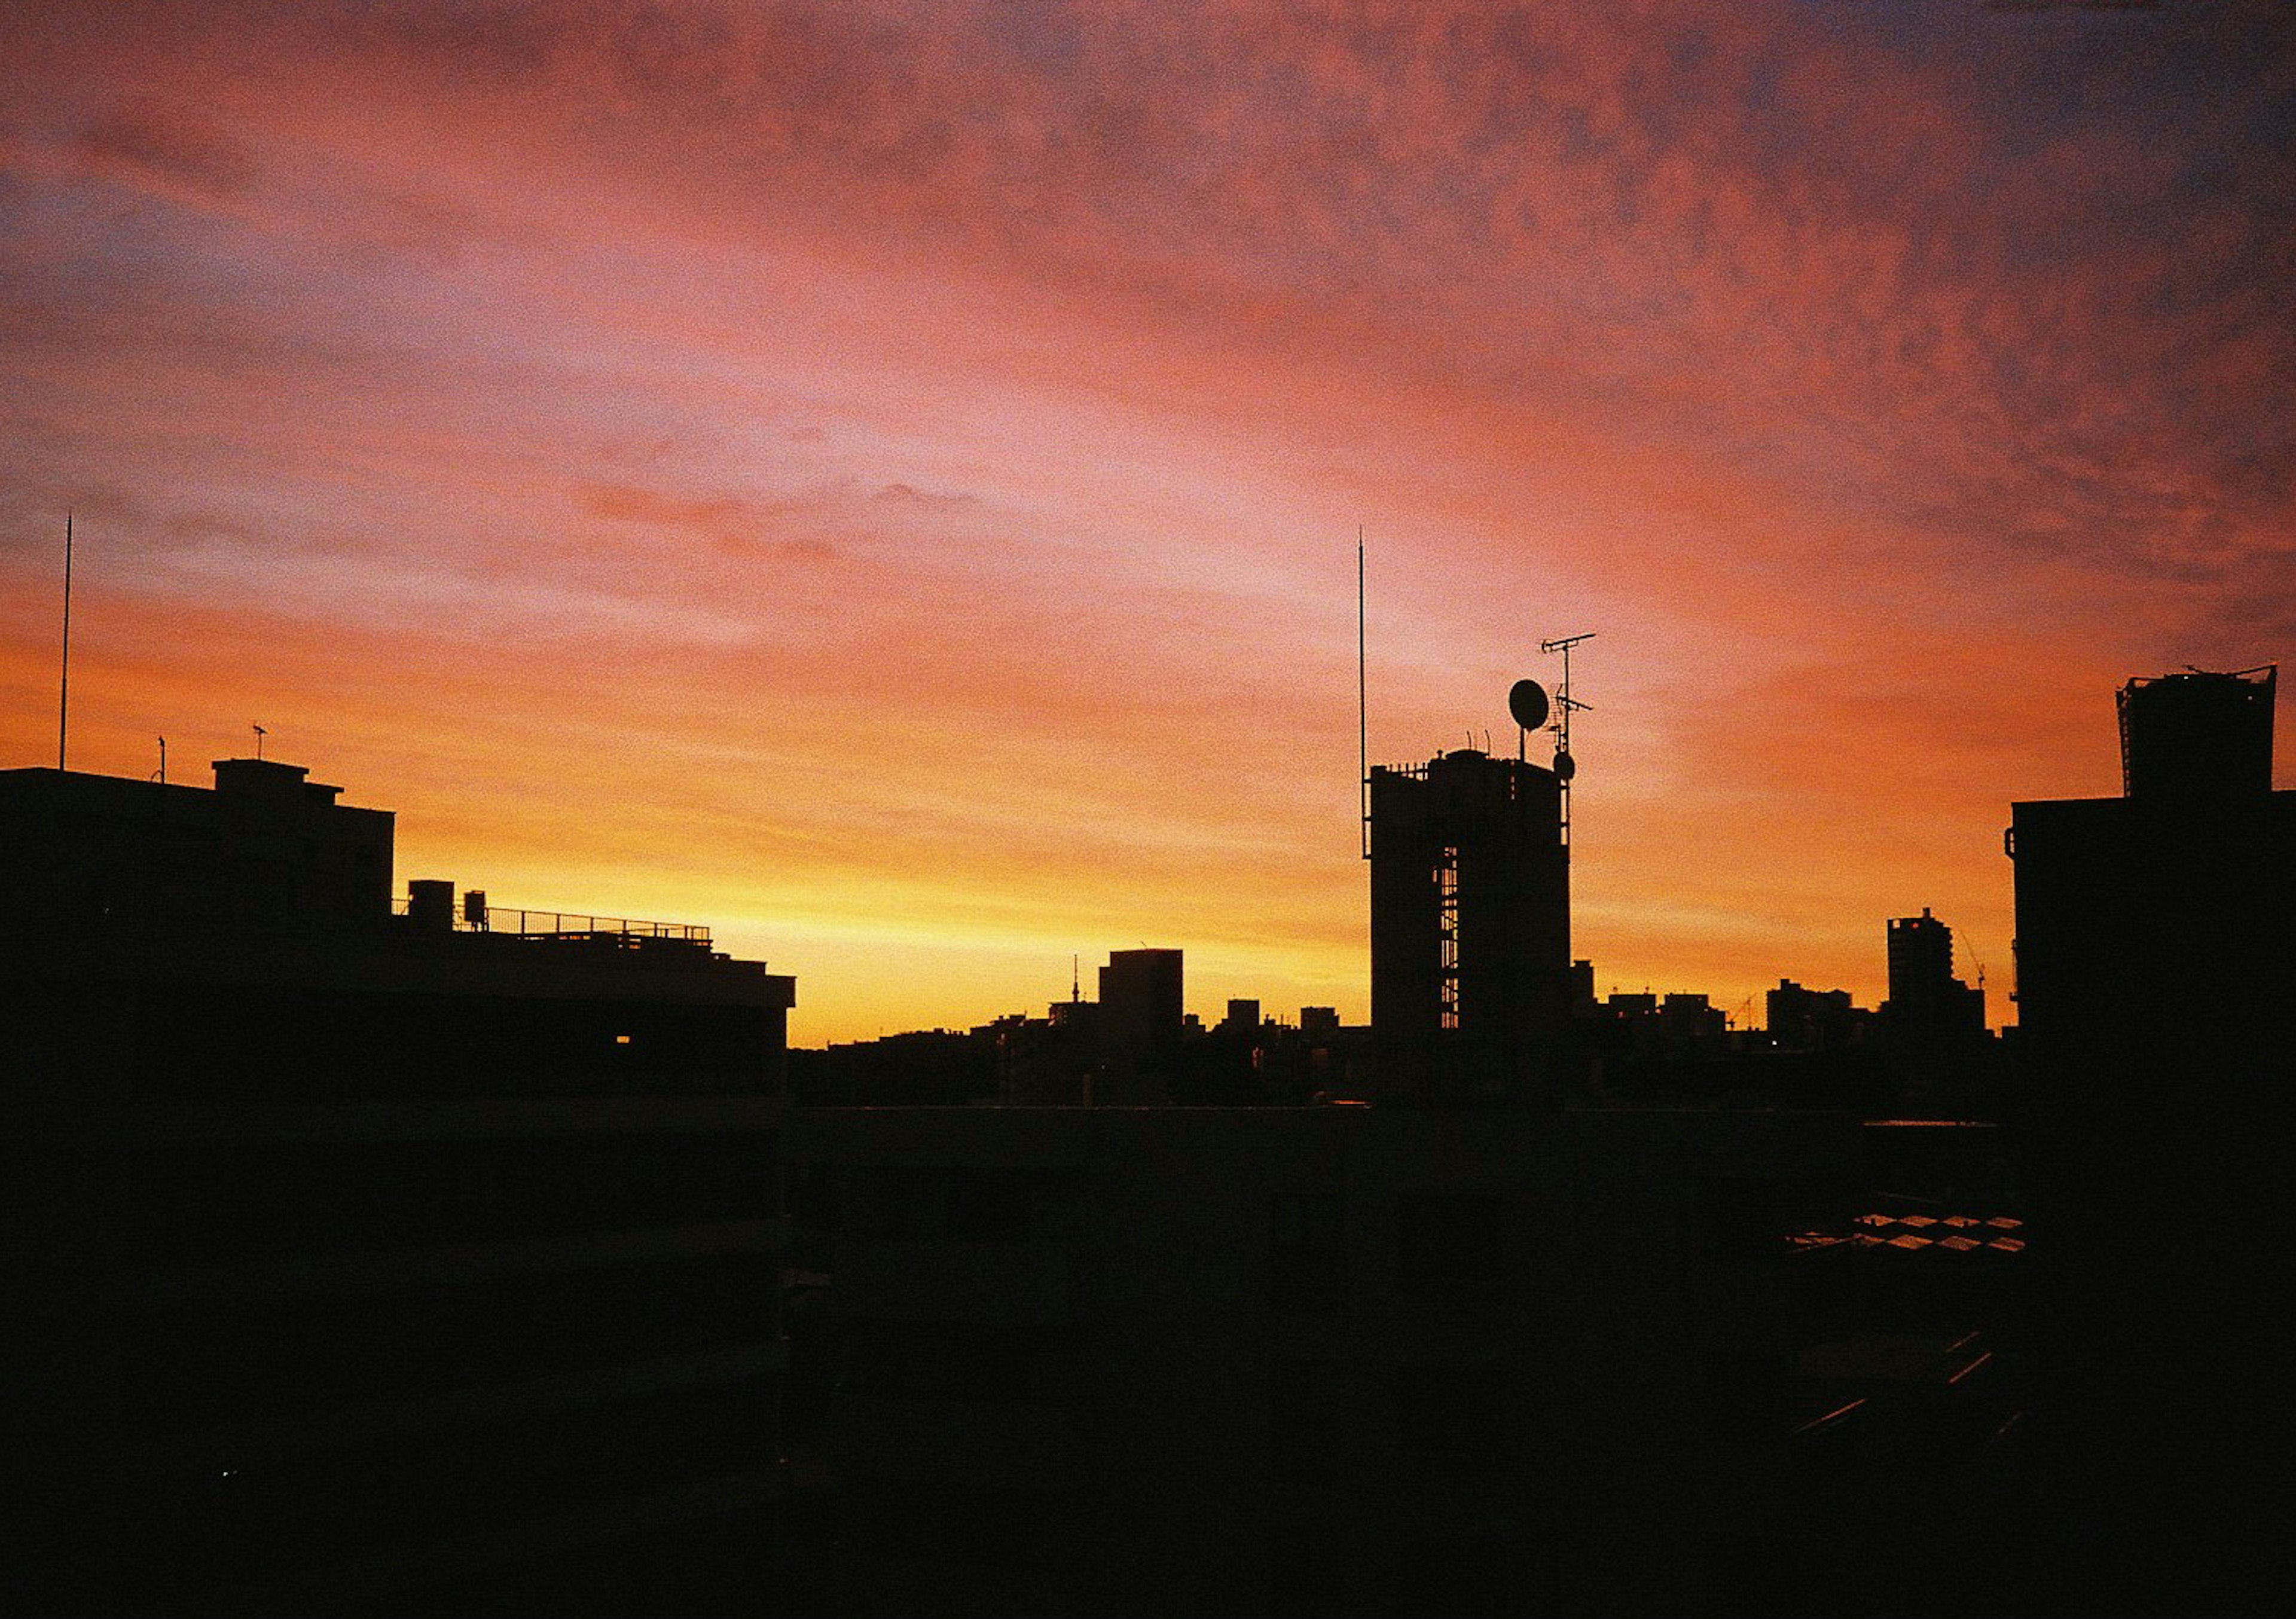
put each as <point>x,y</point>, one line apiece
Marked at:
<point>1470,930</point>
<point>2156,993</point>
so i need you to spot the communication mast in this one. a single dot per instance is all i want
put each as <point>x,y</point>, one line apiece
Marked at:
<point>63,683</point>
<point>1565,767</point>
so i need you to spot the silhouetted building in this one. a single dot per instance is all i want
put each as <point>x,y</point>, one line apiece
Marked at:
<point>1470,931</point>
<point>1801,1019</point>
<point>1582,988</point>
<point>265,848</point>
<point>1140,1026</point>
<point>1928,1007</point>
<point>1673,1027</point>
<point>2197,733</point>
<point>2156,991</point>
<point>920,1068</point>
<point>368,1262</point>
<point>1921,960</point>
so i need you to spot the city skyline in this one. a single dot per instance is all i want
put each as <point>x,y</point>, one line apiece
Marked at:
<point>884,482</point>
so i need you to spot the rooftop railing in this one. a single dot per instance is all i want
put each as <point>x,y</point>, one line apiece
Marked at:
<point>563,924</point>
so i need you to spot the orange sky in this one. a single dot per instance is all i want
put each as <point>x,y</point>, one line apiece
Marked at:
<point>882,479</point>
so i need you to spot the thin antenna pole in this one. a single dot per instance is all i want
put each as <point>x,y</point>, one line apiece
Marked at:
<point>1363,705</point>
<point>1563,705</point>
<point>63,686</point>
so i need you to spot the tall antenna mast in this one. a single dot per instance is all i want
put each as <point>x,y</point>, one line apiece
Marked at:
<point>63,686</point>
<point>1363,705</point>
<point>1565,767</point>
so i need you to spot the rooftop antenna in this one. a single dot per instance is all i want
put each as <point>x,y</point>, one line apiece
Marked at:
<point>1363,705</point>
<point>259,734</point>
<point>1565,767</point>
<point>63,685</point>
<point>163,761</point>
<point>1075,976</point>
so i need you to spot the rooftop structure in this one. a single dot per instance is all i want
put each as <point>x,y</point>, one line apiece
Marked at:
<point>2197,733</point>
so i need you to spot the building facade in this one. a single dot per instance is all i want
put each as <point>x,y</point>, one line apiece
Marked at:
<point>1470,931</point>
<point>370,1262</point>
<point>1372,1360</point>
<point>2156,994</point>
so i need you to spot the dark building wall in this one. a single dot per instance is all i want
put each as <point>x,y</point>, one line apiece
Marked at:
<point>1933,1022</point>
<point>265,848</point>
<point>2156,989</point>
<point>1141,994</point>
<point>362,1267</point>
<point>1333,1361</point>
<point>1470,928</point>
<point>2155,952</point>
<point>1920,961</point>
<point>1803,1019</point>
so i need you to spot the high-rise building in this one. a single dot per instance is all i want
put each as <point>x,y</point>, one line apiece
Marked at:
<point>1471,980</point>
<point>2156,994</point>
<point>1140,1026</point>
<point>1928,1006</point>
<point>2154,950</point>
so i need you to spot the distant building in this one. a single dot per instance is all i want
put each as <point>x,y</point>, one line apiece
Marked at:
<point>363,1261</point>
<point>1471,969</point>
<point>923,1067</point>
<point>1801,1019</point>
<point>1140,1026</point>
<point>1242,1015</point>
<point>1928,1006</point>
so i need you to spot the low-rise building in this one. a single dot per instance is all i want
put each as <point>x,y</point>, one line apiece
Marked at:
<point>362,1259</point>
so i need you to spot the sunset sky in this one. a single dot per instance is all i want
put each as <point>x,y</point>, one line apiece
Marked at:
<point>882,479</point>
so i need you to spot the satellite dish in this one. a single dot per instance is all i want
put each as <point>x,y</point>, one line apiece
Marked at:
<point>1527,701</point>
<point>1565,767</point>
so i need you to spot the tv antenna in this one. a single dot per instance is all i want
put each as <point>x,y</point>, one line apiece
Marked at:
<point>1565,767</point>
<point>259,734</point>
<point>63,684</point>
<point>1363,705</point>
